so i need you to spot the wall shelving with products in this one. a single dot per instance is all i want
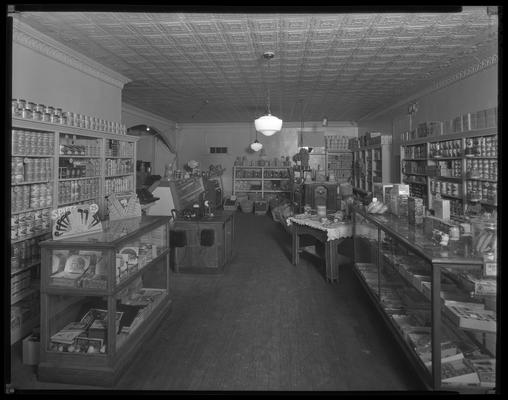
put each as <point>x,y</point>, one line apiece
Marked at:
<point>55,165</point>
<point>459,166</point>
<point>372,164</point>
<point>260,180</point>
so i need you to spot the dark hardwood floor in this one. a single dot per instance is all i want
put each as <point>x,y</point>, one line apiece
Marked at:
<point>263,325</point>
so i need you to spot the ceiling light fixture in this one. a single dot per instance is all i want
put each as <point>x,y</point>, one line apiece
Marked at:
<point>256,145</point>
<point>268,124</point>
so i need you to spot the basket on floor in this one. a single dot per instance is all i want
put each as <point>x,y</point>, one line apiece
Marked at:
<point>247,205</point>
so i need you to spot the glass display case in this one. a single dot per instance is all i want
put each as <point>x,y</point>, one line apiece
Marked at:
<point>438,301</point>
<point>101,295</point>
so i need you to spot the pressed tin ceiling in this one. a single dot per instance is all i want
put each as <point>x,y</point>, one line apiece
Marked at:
<point>208,67</point>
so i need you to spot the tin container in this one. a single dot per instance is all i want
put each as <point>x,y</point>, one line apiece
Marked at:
<point>26,114</point>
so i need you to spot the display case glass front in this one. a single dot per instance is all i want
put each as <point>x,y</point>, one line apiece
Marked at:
<point>101,293</point>
<point>438,300</point>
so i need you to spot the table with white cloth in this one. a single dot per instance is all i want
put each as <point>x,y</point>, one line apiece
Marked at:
<point>329,233</point>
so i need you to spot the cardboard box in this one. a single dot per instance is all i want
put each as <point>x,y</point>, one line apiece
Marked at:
<point>441,208</point>
<point>31,348</point>
<point>415,210</point>
<point>400,189</point>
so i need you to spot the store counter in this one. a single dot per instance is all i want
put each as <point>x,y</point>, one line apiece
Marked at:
<point>204,244</point>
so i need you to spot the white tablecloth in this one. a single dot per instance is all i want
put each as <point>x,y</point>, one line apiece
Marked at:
<point>334,230</point>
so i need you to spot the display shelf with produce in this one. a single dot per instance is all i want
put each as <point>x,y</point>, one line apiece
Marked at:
<point>102,295</point>
<point>260,180</point>
<point>435,300</point>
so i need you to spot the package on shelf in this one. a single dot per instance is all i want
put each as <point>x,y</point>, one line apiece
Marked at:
<point>416,210</point>
<point>472,318</point>
<point>441,208</point>
<point>485,367</point>
<point>455,370</point>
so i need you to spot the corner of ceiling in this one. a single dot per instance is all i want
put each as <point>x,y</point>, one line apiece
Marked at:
<point>437,85</point>
<point>31,38</point>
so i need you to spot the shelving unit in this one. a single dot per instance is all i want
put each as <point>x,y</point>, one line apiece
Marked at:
<point>445,168</point>
<point>96,317</point>
<point>260,180</point>
<point>340,163</point>
<point>372,166</point>
<point>420,292</point>
<point>52,166</point>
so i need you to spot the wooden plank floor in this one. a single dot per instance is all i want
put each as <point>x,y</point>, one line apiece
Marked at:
<point>264,325</point>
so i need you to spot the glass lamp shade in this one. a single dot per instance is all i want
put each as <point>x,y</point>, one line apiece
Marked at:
<point>268,124</point>
<point>256,146</point>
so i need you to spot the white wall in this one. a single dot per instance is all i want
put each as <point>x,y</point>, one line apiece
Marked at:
<point>47,72</point>
<point>150,148</point>
<point>194,141</point>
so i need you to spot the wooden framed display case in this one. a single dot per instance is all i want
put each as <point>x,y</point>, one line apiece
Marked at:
<point>438,302</point>
<point>55,165</point>
<point>102,294</point>
<point>203,245</point>
<point>461,167</point>
<point>260,180</point>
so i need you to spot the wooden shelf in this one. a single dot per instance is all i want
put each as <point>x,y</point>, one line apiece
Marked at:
<point>119,175</point>
<point>33,155</point>
<point>24,330</point>
<point>76,156</point>
<point>25,268</point>
<point>78,179</point>
<point>34,287</point>
<point>30,210</point>
<point>32,182</point>
<point>31,237</point>
<point>78,201</point>
<point>120,157</point>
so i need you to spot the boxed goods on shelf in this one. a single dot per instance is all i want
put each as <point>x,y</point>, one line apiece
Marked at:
<point>472,318</point>
<point>441,208</point>
<point>457,370</point>
<point>416,210</point>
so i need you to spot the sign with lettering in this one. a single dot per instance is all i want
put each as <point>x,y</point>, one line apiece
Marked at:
<point>75,220</point>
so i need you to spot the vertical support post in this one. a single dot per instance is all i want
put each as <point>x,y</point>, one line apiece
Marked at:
<point>436,326</point>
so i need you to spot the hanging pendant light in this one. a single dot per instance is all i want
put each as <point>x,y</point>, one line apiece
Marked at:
<point>268,124</point>
<point>256,146</point>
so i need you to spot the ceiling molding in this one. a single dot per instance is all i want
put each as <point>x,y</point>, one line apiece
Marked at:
<point>458,76</point>
<point>31,38</point>
<point>140,113</point>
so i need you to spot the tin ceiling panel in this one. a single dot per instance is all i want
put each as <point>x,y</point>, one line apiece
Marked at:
<point>344,66</point>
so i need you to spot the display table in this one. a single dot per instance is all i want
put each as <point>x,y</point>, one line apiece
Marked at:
<point>203,245</point>
<point>330,234</point>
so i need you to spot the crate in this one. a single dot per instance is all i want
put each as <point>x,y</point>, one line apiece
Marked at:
<point>260,207</point>
<point>230,205</point>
